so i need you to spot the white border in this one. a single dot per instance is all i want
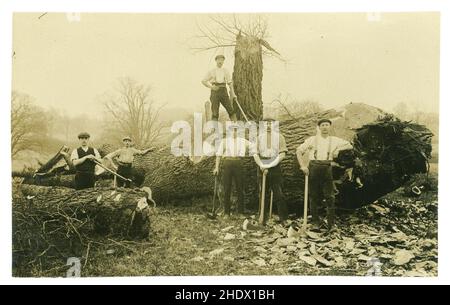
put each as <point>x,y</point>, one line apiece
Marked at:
<point>6,9</point>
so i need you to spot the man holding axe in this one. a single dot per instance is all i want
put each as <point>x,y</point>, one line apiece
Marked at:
<point>83,159</point>
<point>315,157</point>
<point>231,152</point>
<point>271,150</point>
<point>217,80</point>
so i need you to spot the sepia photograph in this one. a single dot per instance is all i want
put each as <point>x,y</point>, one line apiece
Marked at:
<point>225,144</point>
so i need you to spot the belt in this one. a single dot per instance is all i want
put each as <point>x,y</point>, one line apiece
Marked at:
<point>232,158</point>
<point>124,164</point>
<point>320,162</point>
<point>221,85</point>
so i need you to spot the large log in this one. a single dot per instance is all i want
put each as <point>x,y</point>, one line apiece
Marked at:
<point>96,211</point>
<point>59,222</point>
<point>388,152</point>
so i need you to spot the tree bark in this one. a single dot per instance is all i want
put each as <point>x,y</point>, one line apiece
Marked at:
<point>106,211</point>
<point>247,77</point>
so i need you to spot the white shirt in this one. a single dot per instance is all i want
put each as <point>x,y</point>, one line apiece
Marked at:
<point>269,149</point>
<point>74,154</point>
<point>218,75</point>
<point>230,147</point>
<point>322,146</point>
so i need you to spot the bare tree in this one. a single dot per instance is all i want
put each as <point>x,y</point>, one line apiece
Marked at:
<point>295,109</point>
<point>248,38</point>
<point>29,124</point>
<point>133,112</point>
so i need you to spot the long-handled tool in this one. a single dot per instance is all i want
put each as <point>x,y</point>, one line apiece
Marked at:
<point>262,199</point>
<point>305,205</point>
<point>111,171</point>
<point>271,204</point>
<point>240,108</point>
<point>213,214</point>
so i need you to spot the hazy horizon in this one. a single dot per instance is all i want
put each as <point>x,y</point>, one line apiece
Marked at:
<point>332,58</point>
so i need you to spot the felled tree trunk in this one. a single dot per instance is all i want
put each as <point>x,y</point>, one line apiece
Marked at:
<point>106,211</point>
<point>58,222</point>
<point>388,152</point>
<point>60,179</point>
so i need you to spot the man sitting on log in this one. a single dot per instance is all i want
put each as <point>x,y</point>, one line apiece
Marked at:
<point>232,150</point>
<point>217,80</point>
<point>83,160</point>
<point>269,158</point>
<point>125,157</point>
<point>321,149</point>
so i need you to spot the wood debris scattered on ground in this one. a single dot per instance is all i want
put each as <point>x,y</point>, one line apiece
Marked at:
<point>395,236</point>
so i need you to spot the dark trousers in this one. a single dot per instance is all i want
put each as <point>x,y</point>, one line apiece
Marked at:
<point>321,189</point>
<point>84,180</point>
<point>274,182</point>
<point>232,169</point>
<point>218,97</point>
<point>125,171</point>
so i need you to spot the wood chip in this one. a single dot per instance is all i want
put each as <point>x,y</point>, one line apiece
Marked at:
<point>402,257</point>
<point>308,259</point>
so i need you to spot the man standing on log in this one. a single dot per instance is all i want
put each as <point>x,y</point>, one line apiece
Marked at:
<point>83,160</point>
<point>125,158</point>
<point>269,158</point>
<point>321,149</point>
<point>217,80</point>
<point>232,150</point>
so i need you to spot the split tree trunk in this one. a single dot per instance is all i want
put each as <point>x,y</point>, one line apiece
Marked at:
<point>247,77</point>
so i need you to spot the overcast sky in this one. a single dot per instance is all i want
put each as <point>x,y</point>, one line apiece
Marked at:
<point>333,59</point>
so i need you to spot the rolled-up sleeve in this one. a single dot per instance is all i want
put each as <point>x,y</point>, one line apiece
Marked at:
<point>340,142</point>
<point>97,154</point>
<point>304,146</point>
<point>219,151</point>
<point>208,77</point>
<point>74,155</point>
<point>227,76</point>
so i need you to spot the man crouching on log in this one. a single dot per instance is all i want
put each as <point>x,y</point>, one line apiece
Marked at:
<point>83,160</point>
<point>217,80</point>
<point>125,158</point>
<point>321,150</point>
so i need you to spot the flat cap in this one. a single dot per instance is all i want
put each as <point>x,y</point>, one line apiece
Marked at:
<point>323,121</point>
<point>126,138</point>
<point>268,118</point>
<point>219,56</point>
<point>83,134</point>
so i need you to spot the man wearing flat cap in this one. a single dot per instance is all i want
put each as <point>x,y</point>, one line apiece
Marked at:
<point>271,150</point>
<point>217,80</point>
<point>315,157</point>
<point>83,160</point>
<point>124,157</point>
<point>231,153</point>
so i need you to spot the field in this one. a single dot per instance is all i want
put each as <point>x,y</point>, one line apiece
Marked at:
<point>399,233</point>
